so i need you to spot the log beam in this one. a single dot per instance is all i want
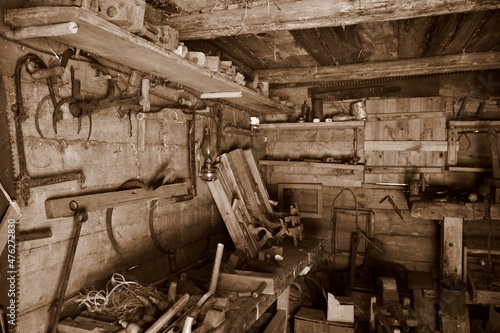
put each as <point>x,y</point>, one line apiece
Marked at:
<point>379,69</point>
<point>308,14</point>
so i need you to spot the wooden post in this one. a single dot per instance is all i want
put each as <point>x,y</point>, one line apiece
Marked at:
<point>452,145</point>
<point>451,248</point>
<point>283,303</point>
<point>452,261</point>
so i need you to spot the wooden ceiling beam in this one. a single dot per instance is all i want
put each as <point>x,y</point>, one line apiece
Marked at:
<point>308,14</point>
<point>382,69</point>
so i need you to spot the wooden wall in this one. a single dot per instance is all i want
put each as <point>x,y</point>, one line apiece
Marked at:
<point>109,158</point>
<point>404,137</point>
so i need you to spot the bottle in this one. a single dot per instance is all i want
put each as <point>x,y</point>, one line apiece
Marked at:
<point>306,112</point>
<point>317,109</point>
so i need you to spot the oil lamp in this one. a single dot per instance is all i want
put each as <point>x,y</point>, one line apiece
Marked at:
<point>208,172</point>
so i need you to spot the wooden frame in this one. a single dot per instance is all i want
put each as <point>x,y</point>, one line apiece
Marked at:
<point>318,213</point>
<point>458,126</point>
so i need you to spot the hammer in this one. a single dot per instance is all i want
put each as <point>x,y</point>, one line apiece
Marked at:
<point>393,204</point>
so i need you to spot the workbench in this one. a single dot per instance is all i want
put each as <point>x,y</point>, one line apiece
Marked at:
<point>245,311</point>
<point>452,215</point>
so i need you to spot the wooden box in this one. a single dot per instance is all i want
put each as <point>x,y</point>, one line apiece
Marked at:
<point>314,321</point>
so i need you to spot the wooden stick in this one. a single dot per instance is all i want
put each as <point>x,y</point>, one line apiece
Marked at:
<point>55,208</point>
<point>51,30</point>
<point>216,269</point>
<point>188,325</point>
<point>259,290</point>
<point>167,316</point>
<point>215,276</point>
<point>223,94</point>
<point>172,292</point>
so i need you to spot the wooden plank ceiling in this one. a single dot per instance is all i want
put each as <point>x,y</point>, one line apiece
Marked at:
<point>376,40</point>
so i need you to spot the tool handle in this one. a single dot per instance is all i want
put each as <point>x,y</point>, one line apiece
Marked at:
<point>34,235</point>
<point>172,292</point>
<point>167,316</point>
<point>188,323</point>
<point>63,285</point>
<point>216,269</point>
<point>259,290</point>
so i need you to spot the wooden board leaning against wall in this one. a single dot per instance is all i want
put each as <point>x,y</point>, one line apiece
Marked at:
<point>109,158</point>
<point>403,138</point>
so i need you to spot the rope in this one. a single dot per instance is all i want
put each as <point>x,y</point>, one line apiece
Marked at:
<point>122,298</point>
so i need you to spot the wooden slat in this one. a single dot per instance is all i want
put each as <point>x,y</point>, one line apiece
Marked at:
<point>286,50</point>
<point>55,208</point>
<point>278,323</point>
<point>238,57</point>
<point>261,188</point>
<point>309,172</point>
<point>311,165</point>
<point>103,38</point>
<point>393,170</point>
<point>440,33</point>
<point>393,68</point>
<point>359,133</point>
<point>473,124</point>
<point>487,297</point>
<point>240,240</point>
<point>234,164</point>
<point>487,37</point>
<point>234,45</point>
<point>313,150</point>
<point>258,49</point>
<point>379,40</point>
<point>403,247</point>
<point>406,145</point>
<point>466,169</point>
<point>409,115</point>
<point>321,125</point>
<point>418,105</point>
<point>308,14</point>
<point>343,43</point>
<point>340,138</point>
<point>310,41</point>
<point>238,202</point>
<point>413,34</point>
<point>465,30</point>
<point>437,211</point>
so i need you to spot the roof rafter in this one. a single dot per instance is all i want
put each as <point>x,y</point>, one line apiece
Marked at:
<point>308,14</point>
<point>381,69</point>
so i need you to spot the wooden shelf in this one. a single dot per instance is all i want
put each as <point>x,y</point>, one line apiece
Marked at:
<point>105,39</point>
<point>328,174</point>
<point>321,125</point>
<point>312,164</point>
<point>473,124</point>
